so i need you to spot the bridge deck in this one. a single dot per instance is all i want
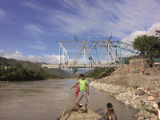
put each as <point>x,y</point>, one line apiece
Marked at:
<point>79,65</point>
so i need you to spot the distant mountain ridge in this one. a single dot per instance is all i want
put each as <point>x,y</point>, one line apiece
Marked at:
<point>18,70</point>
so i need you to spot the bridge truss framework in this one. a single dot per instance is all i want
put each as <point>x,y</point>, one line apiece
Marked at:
<point>93,51</point>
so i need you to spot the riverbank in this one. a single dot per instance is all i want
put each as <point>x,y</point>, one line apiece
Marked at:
<point>133,89</point>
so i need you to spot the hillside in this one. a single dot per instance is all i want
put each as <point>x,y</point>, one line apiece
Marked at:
<point>11,69</point>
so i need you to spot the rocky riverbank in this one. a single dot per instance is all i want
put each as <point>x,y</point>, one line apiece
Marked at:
<point>138,91</point>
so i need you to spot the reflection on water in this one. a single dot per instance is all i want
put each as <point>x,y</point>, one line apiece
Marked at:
<point>45,100</point>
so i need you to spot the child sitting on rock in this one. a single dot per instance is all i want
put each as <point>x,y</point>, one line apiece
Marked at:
<point>109,112</point>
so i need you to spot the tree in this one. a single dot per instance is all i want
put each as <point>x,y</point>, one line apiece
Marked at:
<point>148,46</point>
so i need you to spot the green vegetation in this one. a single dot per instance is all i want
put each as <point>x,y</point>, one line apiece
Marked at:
<point>149,46</point>
<point>16,70</point>
<point>99,72</point>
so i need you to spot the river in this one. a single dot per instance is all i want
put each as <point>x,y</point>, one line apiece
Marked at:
<point>46,99</point>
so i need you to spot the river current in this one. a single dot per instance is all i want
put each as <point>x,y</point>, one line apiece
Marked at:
<point>46,99</point>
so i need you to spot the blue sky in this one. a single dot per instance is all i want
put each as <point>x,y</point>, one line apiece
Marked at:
<point>29,29</point>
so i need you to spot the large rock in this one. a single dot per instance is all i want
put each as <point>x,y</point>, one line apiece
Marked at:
<point>140,118</point>
<point>155,105</point>
<point>139,92</point>
<point>151,98</point>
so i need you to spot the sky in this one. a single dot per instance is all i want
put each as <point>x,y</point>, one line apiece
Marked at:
<point>29,29</point>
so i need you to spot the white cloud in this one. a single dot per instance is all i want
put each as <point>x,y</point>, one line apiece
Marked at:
<point>150,31</point>
<point>132,36</point>
<point>1,51</point>
<point>2,13</point>
<point>29,4</point>
<point>37,44</point>
<point>101,16</point>
<point>52,59</point>
<point>35,32</point>
<point>105,17</point>
<point>33,29</point>
<point>34,58</point>
<point>15,55</point>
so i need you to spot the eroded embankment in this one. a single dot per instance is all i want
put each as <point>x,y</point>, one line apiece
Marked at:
<point>138,91</point>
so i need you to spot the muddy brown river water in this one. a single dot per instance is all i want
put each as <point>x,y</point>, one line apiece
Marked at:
<point>45,100</point>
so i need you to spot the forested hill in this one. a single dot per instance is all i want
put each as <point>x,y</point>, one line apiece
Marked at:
<point>11,70</point>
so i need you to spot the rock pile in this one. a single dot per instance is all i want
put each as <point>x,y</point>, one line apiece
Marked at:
<point>138,91</point>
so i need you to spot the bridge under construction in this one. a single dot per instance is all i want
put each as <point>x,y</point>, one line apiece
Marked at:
<point>92,51</point>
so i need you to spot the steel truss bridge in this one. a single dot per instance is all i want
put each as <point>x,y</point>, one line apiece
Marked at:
<point>92,51</point>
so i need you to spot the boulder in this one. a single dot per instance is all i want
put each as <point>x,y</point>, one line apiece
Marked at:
<point>140,118</point>
<point>139,92</point>
<point>155,105</point>
<point>151,98</point>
